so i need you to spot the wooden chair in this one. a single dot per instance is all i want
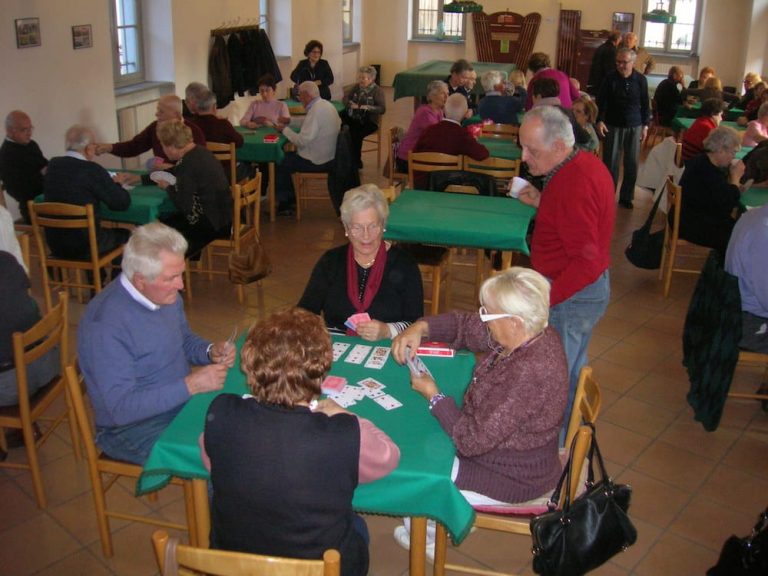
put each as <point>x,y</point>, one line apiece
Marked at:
<point>430,162</point>
<point>506,524</point>
<point>655,130</point>
<point>672,241</point>
<point>56,215</point>
<point>40,339</point>
<point>394,175</point>
<point>225,152</point>
<point>373,142</point>
<point>435,267</point>
<point>586,408</point>
<point>104,471</point>
<point>501,169</point>
<point>246,205</point>
<point>306,185</point>
<point>192,561</point>
<point>505,131</point>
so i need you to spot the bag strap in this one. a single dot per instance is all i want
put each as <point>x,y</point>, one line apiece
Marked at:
<point>565,479</point>
<point>594,450</point>
<point>652,213</point>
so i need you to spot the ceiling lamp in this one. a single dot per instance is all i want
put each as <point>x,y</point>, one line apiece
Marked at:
<point>659,15</point>
<point>462,6</point>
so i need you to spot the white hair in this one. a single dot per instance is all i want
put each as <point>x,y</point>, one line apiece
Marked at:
<point>361,198</point>
<point>456,107</point>
<point>142,252</point>
<point>491,79</point>
<point>522,292</point>
<point>555,125</point>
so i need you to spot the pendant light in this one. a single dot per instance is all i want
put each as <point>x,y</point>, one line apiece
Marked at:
<point>462,6</point>
<point>659,15</point>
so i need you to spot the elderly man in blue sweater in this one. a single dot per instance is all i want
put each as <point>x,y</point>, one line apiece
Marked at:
<point>136,348</point>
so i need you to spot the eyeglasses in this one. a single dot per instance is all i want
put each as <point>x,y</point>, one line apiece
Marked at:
<point>485,317</point>
<point>620,62</point>
<point>360,230</point>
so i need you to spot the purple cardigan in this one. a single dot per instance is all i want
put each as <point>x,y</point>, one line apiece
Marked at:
<point>506,433</point>
<point>424,117</point>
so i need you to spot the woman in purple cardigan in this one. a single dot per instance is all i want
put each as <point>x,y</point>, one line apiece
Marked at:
<point>427,115</point>
<point>506,432</point>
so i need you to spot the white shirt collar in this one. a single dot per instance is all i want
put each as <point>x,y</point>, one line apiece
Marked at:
<point>136,295</point>
<point>454,121</point>
<point>73,154</point>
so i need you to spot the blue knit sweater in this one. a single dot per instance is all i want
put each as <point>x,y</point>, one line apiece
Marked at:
<point>135,359</point>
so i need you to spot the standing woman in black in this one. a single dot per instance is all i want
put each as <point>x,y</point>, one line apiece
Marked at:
<point>314,69</point>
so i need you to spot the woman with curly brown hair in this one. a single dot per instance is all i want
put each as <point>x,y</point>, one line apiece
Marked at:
<point>283,466</point>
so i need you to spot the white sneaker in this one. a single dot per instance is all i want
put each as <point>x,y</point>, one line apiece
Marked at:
<point>403,538</point>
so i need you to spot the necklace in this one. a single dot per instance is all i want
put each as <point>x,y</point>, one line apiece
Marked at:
<point>366,266</point>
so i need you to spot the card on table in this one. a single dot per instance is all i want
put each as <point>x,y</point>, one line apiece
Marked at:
<point>333,384</point>
<point>357,354</point>
<point>338,349</point>
<point>372,387</point>
<point>378,357</point>
<point>387,402</point>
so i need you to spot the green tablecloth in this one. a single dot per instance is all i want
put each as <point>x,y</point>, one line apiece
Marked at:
<point>694,111</point>
<point>744,151</point>
<point>679,124</point>
<point>147,204</point>
<point>502,148</point>
<point>254,149</point>
<point>468,220</point>
<point>420,486</point>
<point>755,197</point>
<point>413,81</point>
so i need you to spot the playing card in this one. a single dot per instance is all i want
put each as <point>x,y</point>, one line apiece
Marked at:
<point>360,317</point>
<point>338,349</point>
<point>378,357</point>
<point>388,402</point>
<point>333,384</point>
<point>372,387</point>
<point>417,366</point>
<point>357,354</point>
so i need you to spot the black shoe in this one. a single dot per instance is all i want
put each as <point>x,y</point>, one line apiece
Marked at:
<point>626,204</point>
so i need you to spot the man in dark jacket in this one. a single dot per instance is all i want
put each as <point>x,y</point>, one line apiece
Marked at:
<point>667,96</point>
<point>21,162</point>
<point>603,62</point>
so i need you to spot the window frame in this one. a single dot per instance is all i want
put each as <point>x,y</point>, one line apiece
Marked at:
<point>137,77</point>
<point>416,12</point>
<point>348,38</point>
<point>668,50</point>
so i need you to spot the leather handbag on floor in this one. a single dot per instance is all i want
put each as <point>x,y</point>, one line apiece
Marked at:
<point>250,264</point>
<point>745,556</point>
<point>586,532</point>
<point>644,251</point>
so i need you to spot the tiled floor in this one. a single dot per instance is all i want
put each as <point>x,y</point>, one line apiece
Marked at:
<point>692,489</point>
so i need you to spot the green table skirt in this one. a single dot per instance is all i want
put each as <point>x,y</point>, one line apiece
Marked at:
<point>468,220</point>
<point>413,81</point>
<point>420,486</point>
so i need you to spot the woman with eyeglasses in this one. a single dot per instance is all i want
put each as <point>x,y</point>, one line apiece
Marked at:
<point>507,430</point>
<point>314,69</point>
<point>367,275</point>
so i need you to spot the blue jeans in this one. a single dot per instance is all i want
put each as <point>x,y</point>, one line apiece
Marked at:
<point>134,442</point>
<point>39,373</point>
<point>623,142</point>
<point>574,320</point>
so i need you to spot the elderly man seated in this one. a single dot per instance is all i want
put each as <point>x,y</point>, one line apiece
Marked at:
<point>75,179</point>
<point>496,105</point>
<point>168,108</point>
<point>136,348</point>
<point>449,137</point>
<point>22,164</point>
<point>315,143</point>
<point>745,259</point>
<point>214,129</point>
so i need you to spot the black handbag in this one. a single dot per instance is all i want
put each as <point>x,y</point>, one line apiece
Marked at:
<point>586,532</point>
<point>644,251</point>
<point>745,556</point>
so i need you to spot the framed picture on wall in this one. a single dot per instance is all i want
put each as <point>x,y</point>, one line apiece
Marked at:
<point>27,32</point>
<point>82,37</point>
<point>624,22</point>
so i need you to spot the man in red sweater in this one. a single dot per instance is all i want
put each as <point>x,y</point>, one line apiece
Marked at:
<point>449,137</point>
<point>574,223</point>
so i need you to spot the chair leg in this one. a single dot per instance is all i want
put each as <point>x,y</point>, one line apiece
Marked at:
<point>73,432</point>
<point>664,249</point>
<point>189,507</point>
<point>188,281</point>
<point>436,281</point>
<point>670,266</point>
<point>298,182</point>
<point>99,502</point>
<point>240,293</point>
<point>441,549</point>
<point>34,465</point>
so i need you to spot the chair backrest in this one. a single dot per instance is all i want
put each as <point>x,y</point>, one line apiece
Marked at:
<point>225,152</point>
<point>506,131</point>
<point>679,154</point>
<point>431,161</point>
<point>64,217</point>
<point>246,201</point>
<point>190,560</point>
<point>76,387</point>
<point>51,330</point>
<point>499,168</point>
<point>587,402</point>
<point>674,203</point>
<point>580,450</point>
<point>394,140</point>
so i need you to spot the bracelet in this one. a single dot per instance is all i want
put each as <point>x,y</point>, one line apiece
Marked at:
<point>435,399</point>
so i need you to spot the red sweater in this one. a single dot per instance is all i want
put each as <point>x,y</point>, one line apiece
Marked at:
<point>693,139</point>
<point>574,223</point>
<point>217,129</point>
<point>447,137</point>
<point>147,139</point>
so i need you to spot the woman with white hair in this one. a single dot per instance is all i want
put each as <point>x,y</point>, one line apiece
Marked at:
<point>427,115</point>
<point>496,105</point>
<point>507,429</point>
<point>711,191</point>
<point>367,275</point>
<point>365,103</point>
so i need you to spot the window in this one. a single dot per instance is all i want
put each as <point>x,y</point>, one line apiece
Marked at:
<point>127,42</point>
<point>678,38</point>
<point>346,21</point>
<point>264,15</point>
<point>430,22</point>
